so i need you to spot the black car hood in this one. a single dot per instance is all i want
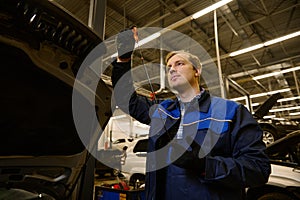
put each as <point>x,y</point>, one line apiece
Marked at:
<point>281,144</point>
<point>263,109</point>
<point>42,47</point>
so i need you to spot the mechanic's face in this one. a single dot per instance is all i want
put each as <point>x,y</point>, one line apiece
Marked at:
<point>181,74</point>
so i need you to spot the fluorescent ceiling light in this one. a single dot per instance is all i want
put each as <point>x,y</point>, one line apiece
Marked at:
<point>262,94</point>
<point>295,113</point>
<point>239,98</point>
<point>285,109</point>
<point>276,73</point>
<point>279,100</point>
<point>269,116</point>
<point>268,43</point>
<point>180,22</point>
<point>288,99</point>
<point>235,53</point>
<point>269,93</point>
<point>210,8</point>
<point>280,39</point>
<point>254,104</point>
<point>279,118</point>
<point>148,39</point>
<point>184,21</point>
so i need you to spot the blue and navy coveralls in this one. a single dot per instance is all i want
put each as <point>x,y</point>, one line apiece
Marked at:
<point>229,136</point>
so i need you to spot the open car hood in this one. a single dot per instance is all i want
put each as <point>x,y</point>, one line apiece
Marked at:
<point>263,109</point>
<point>41,155</point>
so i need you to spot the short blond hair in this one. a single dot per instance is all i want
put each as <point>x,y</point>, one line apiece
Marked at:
<point>194,60</point>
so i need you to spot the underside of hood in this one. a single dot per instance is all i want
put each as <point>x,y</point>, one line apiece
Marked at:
<point>42,47</point>
<point>42,155</point>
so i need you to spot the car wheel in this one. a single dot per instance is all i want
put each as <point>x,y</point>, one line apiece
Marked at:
<point>135,177</point>
<point>269,135</point>
<point>275,196</point>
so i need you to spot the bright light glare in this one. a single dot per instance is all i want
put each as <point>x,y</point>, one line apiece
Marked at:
<point>210,8</point>
<point>262,94</point>
<point>148,39</point>
<point>235,53</point>
<point>276,73</point>
<point>285,109</point>
<point>269,116</point>
<point>280,39</point>
<point>288,99</point>
<point>295,113</point>
<point>268,43</point>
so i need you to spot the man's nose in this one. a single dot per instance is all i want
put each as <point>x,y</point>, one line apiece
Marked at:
<point>172,69</point>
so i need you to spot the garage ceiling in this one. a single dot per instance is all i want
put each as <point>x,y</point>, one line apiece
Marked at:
<point>240,24</point>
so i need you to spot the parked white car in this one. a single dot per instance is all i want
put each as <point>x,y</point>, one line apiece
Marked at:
<point>134,163</point>
<point>284,181</point>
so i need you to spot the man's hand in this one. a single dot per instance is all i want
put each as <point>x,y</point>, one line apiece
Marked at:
<point>190,157</point>
<point>125,42</point>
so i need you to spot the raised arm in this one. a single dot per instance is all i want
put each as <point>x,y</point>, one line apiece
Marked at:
<point>124,93</point>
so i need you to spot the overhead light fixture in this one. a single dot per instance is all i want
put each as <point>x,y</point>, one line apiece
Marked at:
<point>248,49</point>
<point>294,113</point>
<point>181,22</point>
<point>279,118</point>
<point>186,20</point>
<point>148,39</point>
<point>270,93</point>
<point>285,109</point>
<point>288,99</point>
<point>239,98</point>
<point>262,94</point>
<point>269,116</point>
<point>279,100</point>
<point>255,104</point>
<point>268,43</point>
<point>280,39</point>
<point>210,8</point>
<point>276,73</point>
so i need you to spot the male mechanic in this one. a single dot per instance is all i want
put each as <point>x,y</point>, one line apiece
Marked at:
<point>200,146</point>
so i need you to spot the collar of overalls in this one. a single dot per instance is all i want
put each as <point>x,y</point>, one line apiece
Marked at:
<point>202,103</point>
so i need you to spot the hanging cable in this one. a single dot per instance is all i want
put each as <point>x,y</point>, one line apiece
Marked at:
<point>152,95</point>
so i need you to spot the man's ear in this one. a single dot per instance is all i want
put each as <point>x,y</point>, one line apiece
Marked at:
<point>198,72</point>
